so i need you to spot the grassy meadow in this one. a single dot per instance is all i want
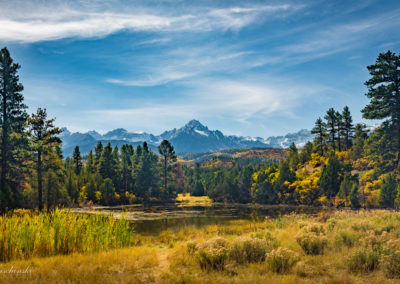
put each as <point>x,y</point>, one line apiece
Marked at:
<point>333,247</point>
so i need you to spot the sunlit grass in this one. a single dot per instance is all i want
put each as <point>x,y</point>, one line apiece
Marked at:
<point>361,247</point>
<point>27,234</point>
<point>187,200</point>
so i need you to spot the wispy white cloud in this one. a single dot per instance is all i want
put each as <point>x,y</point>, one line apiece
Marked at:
<point>241,100</point>
<point>185,62</point>
<point>153,80</point>
<point>38,22</point>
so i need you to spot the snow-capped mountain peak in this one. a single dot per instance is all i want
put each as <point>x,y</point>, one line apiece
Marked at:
<point>193,137</point>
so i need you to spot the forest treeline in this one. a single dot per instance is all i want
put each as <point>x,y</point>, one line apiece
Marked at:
<point>345,165</point>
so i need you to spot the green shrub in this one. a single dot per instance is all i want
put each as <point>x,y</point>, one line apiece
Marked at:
<point>281,260</point>
<point>212,254</point>
<point>191,248</point>
<point>363,260</point>
<point>391,258</point>
<point>315,228</point>
<point>346,238</point>
<point>392,264</point>
<point>271,241</point>
<point>247,250</point>
<point>312,243</point>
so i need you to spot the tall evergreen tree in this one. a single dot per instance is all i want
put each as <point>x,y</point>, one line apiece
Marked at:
<point>339,129</point>
<point>90,163</point>
<point>168,159</point>
<point>330,176</point>
<point>54,178</point>
<point>145,173</point>
<point>347,128</point>
<point>388,191</point>
<point>97,154</point>
<point>126,167</point>
<point>12,118</point>
<point>44,138</point>
<point>384,93</point>
<point>354,198</point>
<point>360,136</point>
<point>293,156</point>
<point>106,165</point>
<point>77,159</point>
<point>320,131</point>
<point>331,119</point>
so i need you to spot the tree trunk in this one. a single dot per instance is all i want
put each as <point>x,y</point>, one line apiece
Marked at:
<point>322,142</point>
<point>165,174</point>
<point>4,146</point>
<point>48,194</point>
<point>39,174</point>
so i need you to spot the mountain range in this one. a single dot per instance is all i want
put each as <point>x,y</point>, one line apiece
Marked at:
<point>193,137</point>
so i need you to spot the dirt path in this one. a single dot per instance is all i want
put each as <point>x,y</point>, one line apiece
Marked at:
<point>163,262</point>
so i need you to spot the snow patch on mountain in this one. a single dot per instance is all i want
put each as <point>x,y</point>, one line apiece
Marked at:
<point>200,132</point>
<point>193,137</point>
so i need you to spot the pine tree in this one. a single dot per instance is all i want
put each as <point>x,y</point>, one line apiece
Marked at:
<point>106,165</point>
<point>12,119</point>
<point>91,189</point>
<point>285,173</point>
<point>331,122</point>
<point>126,167</point>
<point>44,139</point>
<point>305,154</point>
<point>90,163</point>
<point>97,154</point>
<point>330,176</point>
<point>145,173</point>
<point>293,157</point>
<point>76,156</point>
<point>384,93</point>
<point>387,193</point>
<point>347,128</point>
<point>117,169</point>
<point>320,131</point>
<point>339,129</point>
<point>54,178</point>
<point>168,159</point>
<point>107,190</point>
<point>71,185</point>
<point>360,136</point>
<point>354,198</point>
<point>345,187</point>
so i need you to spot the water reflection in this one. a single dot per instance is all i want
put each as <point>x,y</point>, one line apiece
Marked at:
<point>151,220</point>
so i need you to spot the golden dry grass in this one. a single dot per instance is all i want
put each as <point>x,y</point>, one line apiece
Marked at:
<point>187,200</point>
<point>167,259</point>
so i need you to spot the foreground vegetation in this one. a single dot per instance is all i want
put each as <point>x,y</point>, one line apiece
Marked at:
<point>26,234</point>
<point>333,247</point>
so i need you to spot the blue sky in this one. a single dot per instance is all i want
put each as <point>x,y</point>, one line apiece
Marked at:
<point>256,68</point>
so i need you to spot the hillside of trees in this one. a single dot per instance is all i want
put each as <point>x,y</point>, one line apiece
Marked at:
<point>346,164</point>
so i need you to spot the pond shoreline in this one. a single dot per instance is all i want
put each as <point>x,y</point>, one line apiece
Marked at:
<point>152,220</point>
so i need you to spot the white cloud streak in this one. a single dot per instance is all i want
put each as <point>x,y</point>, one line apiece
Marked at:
<point>37,23</point>
<point>233,100</point>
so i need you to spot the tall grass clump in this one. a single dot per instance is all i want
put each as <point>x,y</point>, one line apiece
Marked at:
<point>346,238</point>
<point>363,260</point>
<point>391,258</point>
<point>248,250</point>
<point>213,254</point>
<point>23,236</point>
<point>281,260</point>
<point>312,239</point>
